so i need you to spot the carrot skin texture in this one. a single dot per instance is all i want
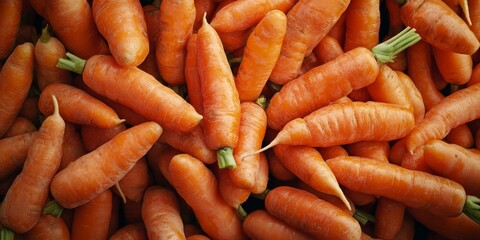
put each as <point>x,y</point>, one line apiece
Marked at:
<point>91,220</point>
<point>454,67</point>
<point>11,12</point>
<point>12,159</point>
<point>389,216</point>
<point>263,173</point>
<point>310,214</point>
<point>362,24</point>
<point>192,77</point>
<point>438,195</point>
<point>133,143</point>
<point>128,42</point>
<point>49,227</point>
<point>103,75</point>
<point>133,231</point>
<point>20,126</point>
<point>16,77</point>
<point>23,204</point>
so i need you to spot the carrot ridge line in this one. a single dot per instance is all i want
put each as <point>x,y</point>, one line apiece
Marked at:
<point>387,51</point>
<point>72,63</point>
<point>225,158</point>
<point>472,208</point>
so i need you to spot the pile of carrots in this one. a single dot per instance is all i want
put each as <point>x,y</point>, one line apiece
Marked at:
<point>239,119</point>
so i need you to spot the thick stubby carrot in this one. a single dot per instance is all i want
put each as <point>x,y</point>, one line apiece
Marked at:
<point>103,75</point>
<point>234,195</point>
<point>253,125</point>
<point>310,214</point>
<point>221,103</point>
<point>19,210</point>
<point>308,165</point>
<point>414,96</point>
<point>439,25</point>
<point>128,41</point>
<point>11,13</point>
<point>328,49</point>
<point>48,227</point>
<point>379,150</point>
<point>91,220</point>
<point>197,185</point>
<point>416,189</point>
<point>272,227</point>
<point>13,152</point>
<point>260,55</point>
<point>77,106</point>
<point>455,109</point>
<point>277,169</point>
<point>131,231</point>
<point>455,68</point>
<point>73,23</point>
<point>133,143</point>
<point>172,38</point>
<point>16,77</point>
<point>19,126</point>
<point>161,214</point>
<point>362,24</point>
<point>388,218</point>
<point>304,32</point>
<point>232,18</point>
<point>48,49</point>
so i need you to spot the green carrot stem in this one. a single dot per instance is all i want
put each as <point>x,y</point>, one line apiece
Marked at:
<point>401,2</point>
<point>72,63</point>
<point>236,60</point>
<point>225,158</point>
<point>262,195</point>
<point>241,212</point>
<point>53,208</point>
<point>157,3</point>
<point>45,37</point>
<point>386,51</point>
<point>363,217</point>
<point>472,208</point>
<point>262,101</point>
<point>6,234</point>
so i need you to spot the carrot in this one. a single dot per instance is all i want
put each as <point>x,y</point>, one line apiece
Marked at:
<point>327,49</point>
<point>77,106</point>
<point>201,7</point>
<point>277,169</point>
<point>192,78</point>
<point>232,18</point>
<point>15,80</point>
<point>151,13</point>
<point>310,214</point>
<point>48,227</point>
<point>414,96</point>
<point>474,9</point>
<point>128,41</point>
<point>457,5</point>
<point>263,43</point>
<point>447,114</point>
<point>164,160</point>
<point>131,212</point>
<point>48,49</point>
<point>389,216</point>
<point>233,41</point>
<point>172,38</point>
<point>449,33</point>
<point>103,75</point>
<point>13,152</point>
<point>131,231</point>
<point>437,195</point>
<point>379,150</point>
<point>19,211</point>
<point>261,179</point>
<point>272,227</point>
<point>333,151</point>
<point>11,12</point>
<point>338,29</point>
<point>197,185</point>
<point>19,126</point>
<point>234,195</point>
<point>72,146</point>
<point>362,24</point>
<point>39,7</point>
<point>221,103</point>
<point>455,68</point>
<point>303,34</point>
<point>475,78</point>
<point>161,214</point>
<point>133,143</point>
<point>83,39</point>
<point>461,136</point>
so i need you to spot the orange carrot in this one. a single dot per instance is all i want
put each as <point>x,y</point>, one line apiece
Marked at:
<point>172,38</point>
<point>128,41</point>
<point>461,136</point>
<point>221,103</point>
<point>13,152</point>
<point>233,41</point>
<point>19,211</point>
<point>333,151</point>
<point>73,23</point>
<point>77,106</point>
<point>455,68</point>
<point>163,160</point>
<point>414,96</point>
<point>19,126</point>
<point>234,195</point>
<point>474,9</point>
<point>133,144</point>
<point>277,169</point>
<point>131,231</point>
<point>201,7</point>
<point>475,78</point>
<point>379,150</point>
<point>310,214</point>
<point>388,218</point>
<point>161,214</point>
<point>192,79</point>
<point>197,185</point>
<point>10,12</point>
<point>338,29</point>
<point>73,147</point>
<point>362,24</point>
<point>48,227</point>
<point>15,80</point>
<point>261,180</point>
<point>103,75</point>
<point>30,110</point>
<point>151,13</point>
<point>328,49</point>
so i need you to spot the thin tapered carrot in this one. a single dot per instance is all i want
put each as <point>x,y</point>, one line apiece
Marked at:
<point>73,23</point>
<point>272,227</point>
<point>103,75</point>
<point>48,227</point>
<point>19,126</point>
<point>232,18</point>
<point>131,231</point>
<point>308,165</point>
<point>310,214</point>
<point>454,162</point>
<point>48,49</point>
<point>234,195</point>
<point>192,78</point>
<point>455,68</point>
<point>303,34</point>
<point>263,43</point>
<point>388,218</point>
<point>161,214</point>
<point>221,103</point>
<point>10,12</point>
<point>277,169</point>
<point>328,49</point>
<point>449,31</point>
<point>172,38</point>
<point>16,77</point>
<point>263,173</point>
<point>91,220</point>
<point>447,114</point>
<point>77,106</point>
<point>13,152</point>
<point>128,41</point>
<point>73,147</point>
<point>362,24</point>
<point>120,153</point>
<point>19,211</point>
<point>197,185</point>
<point>414,96</point>
<point>379,150</point>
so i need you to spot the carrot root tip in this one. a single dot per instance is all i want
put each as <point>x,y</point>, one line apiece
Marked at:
<point>472,208</point>
<point>225,158</point>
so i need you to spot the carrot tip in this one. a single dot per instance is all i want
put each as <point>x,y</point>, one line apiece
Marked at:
<point>225,158</point>
<point>122,195</point>
<point>56,110</point>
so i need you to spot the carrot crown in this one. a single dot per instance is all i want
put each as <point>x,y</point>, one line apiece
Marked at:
<point>472,208</point>
<point>53,208</point>
<point>386,51</point>
<point>73,63</point>
<point>6,234</point>
<point>45,37</point>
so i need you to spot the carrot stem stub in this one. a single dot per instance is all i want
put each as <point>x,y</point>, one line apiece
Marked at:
<point>73,63</point>
<point>386,51</point>
<point>225,158</point>
<point>6,234</point>
<point>472,208</point>
<point>53,208</point>
<point>363,217</point>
